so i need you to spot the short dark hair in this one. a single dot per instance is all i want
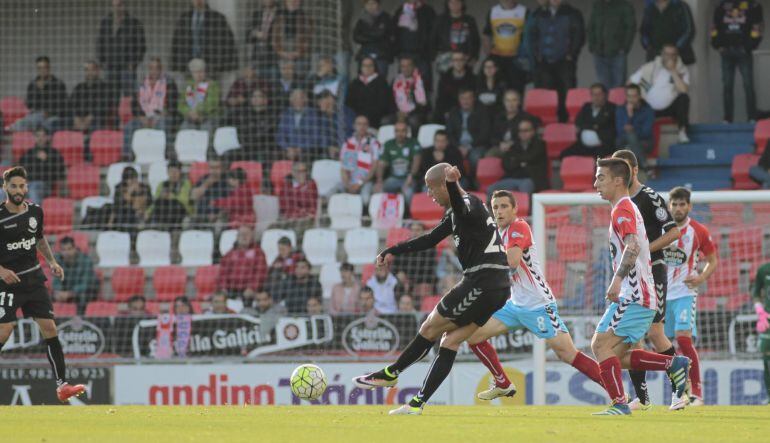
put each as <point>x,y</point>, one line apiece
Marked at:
<point>601,86</point>
<point>15,171</point>
<point>284,241</point>
<point>367,288</point>
<point>635,87</point>
<point>43,58</point>
<point>679,193</point>
<point>440,132</point>
<point>305,261</point>
<point>128,172</point>
<point>67,241</point>
<point>462,91</point>
<point>134,298</point>
<point>501,193</point>
<point>618,168</point>
<point>627,155</point>
<point>346,267</point>
<point>174,164</point>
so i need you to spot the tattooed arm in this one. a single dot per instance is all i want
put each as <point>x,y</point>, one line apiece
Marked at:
<point>627,261</point>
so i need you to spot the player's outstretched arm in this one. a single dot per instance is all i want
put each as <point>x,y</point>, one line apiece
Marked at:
<point>45,249</point>
<point>459,204</point>
<point>426,241</point>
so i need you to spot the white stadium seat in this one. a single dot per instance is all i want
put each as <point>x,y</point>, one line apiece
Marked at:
<point>149,146</point>
<point>320,246</point>
<point>153,248</point>
<point>328,277</point>
<point>96,201</point>
<point>196,247</point>
<point>268,209</point>
<point>191,145</point>
<point>227,241</point>
<point>113,248</point>
<point>115,173</point>
<point>426,133</point>
<point>382,222</point>
<point>386,133</point>
<point>345,211</point>
<point>361,245</point>
<point>226,139</point>
<point>157,174</point>
<point>326,174</point>
<point>269,242</point>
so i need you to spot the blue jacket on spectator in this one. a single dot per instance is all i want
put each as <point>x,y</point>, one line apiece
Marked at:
<point>301,134</point>
<point>642,121</point>
<point>554,37</point>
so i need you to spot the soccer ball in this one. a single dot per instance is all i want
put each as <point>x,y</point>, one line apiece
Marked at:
<point>308,382</point>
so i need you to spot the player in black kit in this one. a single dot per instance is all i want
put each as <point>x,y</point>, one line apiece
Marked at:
<point>661,231</point>
<point>22,282</point>
<point>483,289</point>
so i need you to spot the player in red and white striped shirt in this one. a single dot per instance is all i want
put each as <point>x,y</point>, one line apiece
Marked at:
<point>532,305</point>
<point>683,280</point>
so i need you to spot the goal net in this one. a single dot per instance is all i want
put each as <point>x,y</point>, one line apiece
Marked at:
<point>574,228</point>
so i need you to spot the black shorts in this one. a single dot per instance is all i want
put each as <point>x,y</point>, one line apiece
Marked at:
<point>32,297</point>
<point>475,298</point>
<point>660,276</point>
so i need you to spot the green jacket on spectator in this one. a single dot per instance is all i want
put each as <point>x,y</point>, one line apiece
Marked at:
<point>81,278</point>
<point>208,107</point>
<point>611,28</point>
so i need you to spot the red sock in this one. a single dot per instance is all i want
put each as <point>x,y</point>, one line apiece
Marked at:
<point>588,366</point>
<point>613,381</point>
<point>649,361</point>
<point>687,348</point>
<point>487,354</point>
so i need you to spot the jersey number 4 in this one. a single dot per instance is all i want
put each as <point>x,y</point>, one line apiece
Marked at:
<point>493,245</point>
<point>2,298</point>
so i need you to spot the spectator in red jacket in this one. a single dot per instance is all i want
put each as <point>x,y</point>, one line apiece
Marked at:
<point>243,269</point>
<point>238,204</point>
<point>299,195</point>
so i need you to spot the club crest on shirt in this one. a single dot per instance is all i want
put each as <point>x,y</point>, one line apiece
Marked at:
<point>622,220</point>
<point>660,214</point>
<point>515,234</point>
<point>32,224</point>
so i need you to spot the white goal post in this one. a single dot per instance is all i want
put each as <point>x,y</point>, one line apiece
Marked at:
<point>539,227</point>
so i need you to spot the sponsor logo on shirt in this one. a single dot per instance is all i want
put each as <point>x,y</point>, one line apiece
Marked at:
<point>674,256</point>
<point>26,244</point>
<point>622,220</point>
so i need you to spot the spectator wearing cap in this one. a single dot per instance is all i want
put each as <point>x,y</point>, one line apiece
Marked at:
<point>45,167</point>
<point>201,32</point>
<point>345,294</point>
<point>359,158</point>
<point>92,101</point>
<point>374,31</point>
<point>243,269</point>
<point>81,285</point>
<point>299,195</point>
<point>237,205</point>
<point>200,107</point>
<point>369,93</point>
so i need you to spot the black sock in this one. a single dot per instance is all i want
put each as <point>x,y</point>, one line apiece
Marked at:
<point>414,352</point>
<point>1,345</point>
<point>670,351</point>
<point>56,359</point>
<point>639,379</point>
<point>439,370</point>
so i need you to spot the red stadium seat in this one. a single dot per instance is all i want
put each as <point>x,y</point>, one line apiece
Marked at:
<point>12,108</point>
<point>555,274</point>
<point>558,137</point>
<point>278,172</point>
<point>600,216</point>
<point>656,129</point>
<point>708,304</point>
<point>577,173</point>
<point>169,282</point>
<point>81,241</point>
<point>737,302</point>
<point>126,282</point>
<point>83,180</point>
<point>761,213</point>
<point>762,134</point>
<point>70,145</point>
<point>571,241</point>
<point>197,171</point>
<point>488,171</point>
<point>124,110</point>
<point>101,309</point>
<point>206,281</point>
<point>65,309</point>
<point>542,103</point>
<point>745,243</point>
<point>428,303</point>
<point>617,95</point>
<point>423,208</point>
<point>740,171</point>
<point>724,282</point>
<point>253,172</point>
<point>367,272</point>
<point>522,203</point>
<point>21,142</point>
<point>154,307</point>
<point>726,214</point>
<point>59,213</point>
<point>556,216</point>
<point>106,147</point>
<point>397,235</point>
<point>576,98</point>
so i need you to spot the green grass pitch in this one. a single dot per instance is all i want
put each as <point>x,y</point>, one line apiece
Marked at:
<point>368,424</point>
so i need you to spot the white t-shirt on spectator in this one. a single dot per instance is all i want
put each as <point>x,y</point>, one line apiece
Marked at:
<point>663,90</point>
<point>384,294</point>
